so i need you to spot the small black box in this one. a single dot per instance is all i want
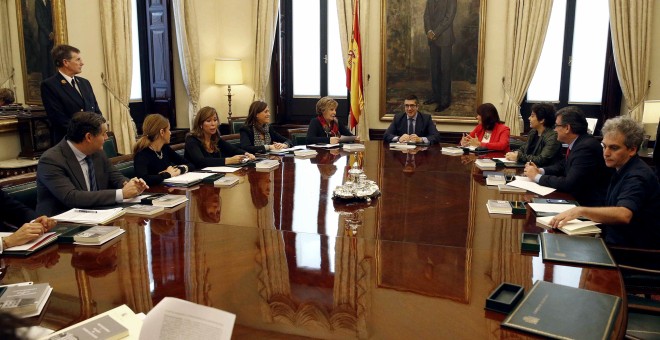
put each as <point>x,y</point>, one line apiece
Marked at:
<point>530,242</point>
<point>505,298</point>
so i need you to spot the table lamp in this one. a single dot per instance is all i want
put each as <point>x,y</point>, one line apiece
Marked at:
<point>228,72</point>
<point>651,117</point>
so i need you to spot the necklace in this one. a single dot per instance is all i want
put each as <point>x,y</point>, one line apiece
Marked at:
<point>158,154</point>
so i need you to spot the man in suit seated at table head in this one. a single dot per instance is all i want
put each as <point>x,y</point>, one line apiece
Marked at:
<point>76,172</point>
<point>630,215</point>
<point>64,93</point>
<point>582,173</point>
<point>412,125</point>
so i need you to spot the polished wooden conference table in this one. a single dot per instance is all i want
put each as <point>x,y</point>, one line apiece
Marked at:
<point>416,263</point>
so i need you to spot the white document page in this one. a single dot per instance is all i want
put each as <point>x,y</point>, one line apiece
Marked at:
<point>550,207</point>
<point>531,186</point>
<point>88,216</point>
<point>122,314</point>
<point>29,244</point>
<point>325,146</point>
<point>174,318</point>
<point>221,169</point>
<point>188,177</point>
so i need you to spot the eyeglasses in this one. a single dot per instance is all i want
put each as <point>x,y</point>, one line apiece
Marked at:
<point>562,125</point>
<point>410,105</point>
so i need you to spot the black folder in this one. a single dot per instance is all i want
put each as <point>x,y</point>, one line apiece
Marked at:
<point>562,312</point>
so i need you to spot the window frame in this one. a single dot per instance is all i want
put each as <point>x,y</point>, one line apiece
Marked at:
<point>299,110</point>
<point>611,98</point>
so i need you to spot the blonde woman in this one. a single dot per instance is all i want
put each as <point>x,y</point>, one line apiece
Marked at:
<point>325,128</point>
<point>204,147</point>
<point>154,160</point>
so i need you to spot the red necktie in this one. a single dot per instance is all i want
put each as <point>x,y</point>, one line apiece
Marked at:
<point>567,152</point>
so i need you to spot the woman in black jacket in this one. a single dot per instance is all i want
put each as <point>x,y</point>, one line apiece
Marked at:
<point>204,147</point>
<point>257,135</point>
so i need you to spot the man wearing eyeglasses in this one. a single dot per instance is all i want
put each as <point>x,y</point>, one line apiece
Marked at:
<point>412,126</point>
<point>630,213</point>
<point>582,172</point>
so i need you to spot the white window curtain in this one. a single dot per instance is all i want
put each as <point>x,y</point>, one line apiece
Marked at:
<point>630,23</point>
<point>185,23</point>
<point>267,12</point>
<point>527,23</point>
<point>6,64</point>
<point>345,19</point>
<point>116,41</point>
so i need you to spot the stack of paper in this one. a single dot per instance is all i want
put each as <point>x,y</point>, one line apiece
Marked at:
<point>353,147</point>
<point>143,209</point>
<point>508,188</point>
<point>187,179</point>
<point>169,200</point>
<point>89,216</point>
<point>97,235</point>
<point>485,164</point>
<point>226,182</point>
<point>24,299</point>
<point>452,150</point>
<point>495,180</point>
<point>305,153</point>
<point>267,165</point>
<point>402,146</point>
<point>499,207</point>
<point>171,318</point>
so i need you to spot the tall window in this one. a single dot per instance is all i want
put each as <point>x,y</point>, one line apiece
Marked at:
<point>310,61</point>
<point>573,64</point>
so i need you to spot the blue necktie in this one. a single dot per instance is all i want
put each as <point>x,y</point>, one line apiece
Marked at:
<point>411,129</point>
<point>91,174</point>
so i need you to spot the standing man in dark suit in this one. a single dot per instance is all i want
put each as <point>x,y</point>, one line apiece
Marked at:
<point>582,173</point>
<point>76,173</point>
<point>438,25</point>
<point>412,125</point>
<point>64,94</point>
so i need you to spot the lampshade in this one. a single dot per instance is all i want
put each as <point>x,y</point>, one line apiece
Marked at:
<point>228,71</point>
<point>651,117</point>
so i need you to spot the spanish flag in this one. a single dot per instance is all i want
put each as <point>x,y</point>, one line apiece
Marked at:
<point>354,70</point>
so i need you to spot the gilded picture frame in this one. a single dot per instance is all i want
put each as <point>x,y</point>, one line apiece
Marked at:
<point>406,59</point>
<point>41,25</point>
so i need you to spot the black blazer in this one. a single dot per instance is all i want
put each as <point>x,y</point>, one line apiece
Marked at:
<point>247,139</point>
<point>316,134</point>
<point>61,101</point>
<point>424,127</point>
<point>200,158</point>
<point>14,212</point>
<point>61,184</point>
<point>582,174</point>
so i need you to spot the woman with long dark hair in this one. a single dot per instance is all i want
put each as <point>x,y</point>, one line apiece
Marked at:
<point>257,135</point>
<point>204,147</point>
<point>490,133</point>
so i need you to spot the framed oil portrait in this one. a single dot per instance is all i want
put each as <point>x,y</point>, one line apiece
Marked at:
<point>41,26</point>
<point>424,42</point>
